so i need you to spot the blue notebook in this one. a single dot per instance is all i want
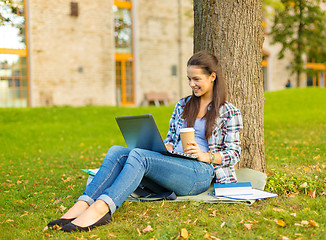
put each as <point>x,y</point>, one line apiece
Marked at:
<point>91,172</point>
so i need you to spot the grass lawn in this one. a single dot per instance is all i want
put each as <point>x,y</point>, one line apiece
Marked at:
<point>43,149</point>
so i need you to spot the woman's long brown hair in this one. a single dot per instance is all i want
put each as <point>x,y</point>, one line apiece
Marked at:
<point>209,64</point>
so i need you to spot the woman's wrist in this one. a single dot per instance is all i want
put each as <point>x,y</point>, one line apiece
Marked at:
<point>211,157</point>
<point>204,157</point>
<point>215,158</point>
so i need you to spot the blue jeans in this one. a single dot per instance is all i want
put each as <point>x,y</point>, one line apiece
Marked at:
<point>123,170</point>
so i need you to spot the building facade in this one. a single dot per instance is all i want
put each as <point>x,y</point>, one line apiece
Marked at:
<point>103,52</point>
<point>88,52</point>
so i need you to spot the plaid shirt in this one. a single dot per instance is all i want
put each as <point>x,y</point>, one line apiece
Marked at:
<point>225,138</point>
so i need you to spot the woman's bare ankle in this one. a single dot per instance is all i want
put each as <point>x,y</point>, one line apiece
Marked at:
<point>101,207</point>
<point>76,210</point>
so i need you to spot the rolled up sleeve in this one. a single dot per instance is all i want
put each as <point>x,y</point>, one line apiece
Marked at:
<point>231,141</point>
<point>172,135</point>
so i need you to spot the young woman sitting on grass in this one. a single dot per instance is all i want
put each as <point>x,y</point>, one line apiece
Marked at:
<point>217,146</point>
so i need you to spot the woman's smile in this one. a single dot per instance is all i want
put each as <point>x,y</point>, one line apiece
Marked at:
<point>200,82</point>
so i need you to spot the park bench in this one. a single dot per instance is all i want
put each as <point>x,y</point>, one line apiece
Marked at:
<point>157,98</point>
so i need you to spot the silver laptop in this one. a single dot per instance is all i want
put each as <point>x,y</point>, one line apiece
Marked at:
<point>140,131</point>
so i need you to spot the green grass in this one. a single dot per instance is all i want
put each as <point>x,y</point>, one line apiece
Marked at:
<point>43,149</point>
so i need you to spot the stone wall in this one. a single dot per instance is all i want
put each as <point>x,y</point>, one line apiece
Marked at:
<point>158,49</point>
<point>71,58</point>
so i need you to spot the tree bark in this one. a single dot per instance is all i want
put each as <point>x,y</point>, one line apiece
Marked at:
<point>298,59</point>
<point>232,30</point>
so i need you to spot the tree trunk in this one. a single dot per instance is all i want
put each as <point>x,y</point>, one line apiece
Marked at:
<point>298,59</point>
<point>232,30</point>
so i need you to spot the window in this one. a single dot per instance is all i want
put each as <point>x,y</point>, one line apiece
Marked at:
<point>123,52</point>
<point>13,55</point>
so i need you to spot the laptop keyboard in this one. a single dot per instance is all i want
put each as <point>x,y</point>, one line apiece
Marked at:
<point>183,154</point>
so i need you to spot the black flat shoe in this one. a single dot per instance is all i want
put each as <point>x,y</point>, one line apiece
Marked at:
<point>70,227</point>
<point>60,222</point>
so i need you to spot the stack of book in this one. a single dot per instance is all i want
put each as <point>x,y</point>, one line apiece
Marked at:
<point>240,191</point>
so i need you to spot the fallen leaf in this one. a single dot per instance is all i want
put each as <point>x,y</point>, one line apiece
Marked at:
<point>188,221</point>
<point>139,233</point>
<point>111,235</point>
<point>81,238</point>
<point>280,223</point>
<point>148,229</point>
<point>56,227</point>
<point>207,236</point>
<point>313,223</point>
<point>62,208</point>
<point>278,210</point>
<point>184,233</point>
<point>306,169</point>
<point>45,229</point>
<point>305,184</point>
<point>145,213</point>
<point>254,221</point>
<point>222,225</point>
<point>242,221</point>
<point>248,226</point>
<point>304,222</point>
<point>70,186</point>
<point>93,236</point>
<point>312,193</point>
<point>293,214</point>
<point>292,195</point>
<point>9,220</point>
<point>24,214</point>
<point>216,238</point>
<point>213,214</point>
<point>285,238</point>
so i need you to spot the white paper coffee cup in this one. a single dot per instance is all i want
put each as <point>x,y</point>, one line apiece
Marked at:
<point>187,135</point>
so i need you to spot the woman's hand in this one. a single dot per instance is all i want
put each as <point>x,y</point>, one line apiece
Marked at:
<point>193,149</point>
<point>169,147</point>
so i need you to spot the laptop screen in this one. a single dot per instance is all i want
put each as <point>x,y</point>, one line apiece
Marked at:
<point>141,131</point>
